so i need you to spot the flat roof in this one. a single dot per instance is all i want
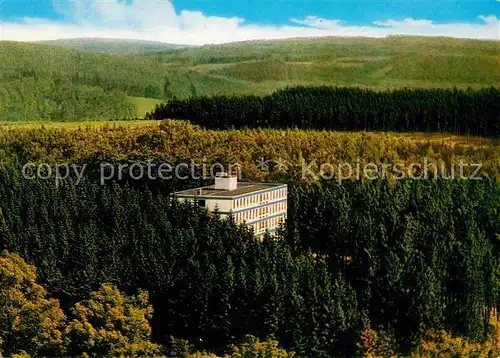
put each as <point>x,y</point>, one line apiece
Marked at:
<point>243,189</point>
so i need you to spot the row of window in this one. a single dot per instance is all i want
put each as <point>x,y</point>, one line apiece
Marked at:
<point>260,198</point>
<point>270,224</point>
<point>252,214</point>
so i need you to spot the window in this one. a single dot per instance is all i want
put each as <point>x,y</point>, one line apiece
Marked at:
<point>202,203</point>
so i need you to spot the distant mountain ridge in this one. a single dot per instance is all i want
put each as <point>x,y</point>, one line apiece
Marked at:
<point>113,46</point>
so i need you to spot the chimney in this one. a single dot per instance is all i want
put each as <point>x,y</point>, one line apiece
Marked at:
<point>225,181</point>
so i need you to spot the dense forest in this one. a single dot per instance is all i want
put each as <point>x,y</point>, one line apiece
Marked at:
<point>452,111</point>
<point>31,99</point>
<point>400,258</point>
<point>91,85</point>
<point>40,82</point>
<point>133,76</point>
<point>376,267</point>
<point>108,323</point>
<point>180,141</point>
<point>360,267</point>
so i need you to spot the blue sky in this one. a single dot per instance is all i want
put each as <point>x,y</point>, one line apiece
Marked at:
<point>216,21</point>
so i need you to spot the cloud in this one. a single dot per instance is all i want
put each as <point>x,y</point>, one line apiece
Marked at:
<point>489,29</point>
<point>319,22</point>
<point>410,23</point>
<point>490,20</point>
<point>159,21</point>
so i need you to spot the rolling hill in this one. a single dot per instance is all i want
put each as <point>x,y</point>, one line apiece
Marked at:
<point>393,62</point>
<point>112,46</point>
<point>47,82</point>
<point>41,82</point>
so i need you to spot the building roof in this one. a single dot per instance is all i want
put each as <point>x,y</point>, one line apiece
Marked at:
<point>243,188</point>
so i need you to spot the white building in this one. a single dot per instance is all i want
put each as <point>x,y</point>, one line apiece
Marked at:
<point>261,206</point>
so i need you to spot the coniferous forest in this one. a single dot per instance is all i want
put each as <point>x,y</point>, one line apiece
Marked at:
<point>401,258</point>
<point>362,267</point>
<point>416,110</point>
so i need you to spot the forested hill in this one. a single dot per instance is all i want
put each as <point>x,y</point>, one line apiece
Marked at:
<point>40,82</point>
<point>387,63</point>
<point>112,46</point>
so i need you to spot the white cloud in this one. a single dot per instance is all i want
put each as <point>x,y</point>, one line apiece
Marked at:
<point>490,20</point>
<point>319,22</point>
<point>411,23</point>
<point>159,21</point>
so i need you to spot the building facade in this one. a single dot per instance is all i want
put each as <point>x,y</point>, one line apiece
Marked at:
<point>260,206</point>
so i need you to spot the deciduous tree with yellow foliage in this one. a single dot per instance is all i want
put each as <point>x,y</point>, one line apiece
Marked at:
<point>110,323</point>
<point>30,323</point>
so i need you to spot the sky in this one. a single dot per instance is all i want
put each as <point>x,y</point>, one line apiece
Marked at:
<point>198,22</point>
